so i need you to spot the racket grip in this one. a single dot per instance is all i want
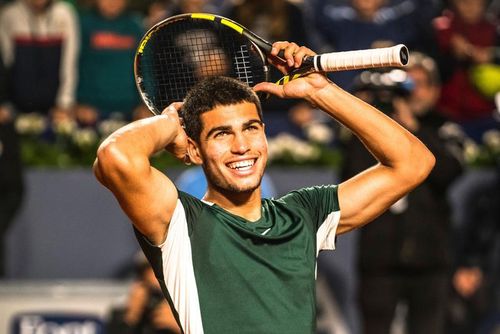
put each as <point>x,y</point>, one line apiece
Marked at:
<point>361,59</point>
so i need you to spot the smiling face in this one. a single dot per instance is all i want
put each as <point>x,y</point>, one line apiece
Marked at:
<point>233,148</point>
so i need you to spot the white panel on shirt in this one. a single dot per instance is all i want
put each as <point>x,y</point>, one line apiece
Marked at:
<point>178,272</point>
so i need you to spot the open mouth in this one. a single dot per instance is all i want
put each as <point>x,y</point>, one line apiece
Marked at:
<point>242,165</point>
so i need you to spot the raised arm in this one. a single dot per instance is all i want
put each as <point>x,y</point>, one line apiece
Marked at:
<point>145,194</point>
<point>403,161</point>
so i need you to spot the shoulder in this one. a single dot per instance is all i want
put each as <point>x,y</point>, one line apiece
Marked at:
<point>191,205</point>
<point>11,10</point>
<point>133,20</point>
<point>63,8</point>
<point>64,14</point>
<point>312,196</point>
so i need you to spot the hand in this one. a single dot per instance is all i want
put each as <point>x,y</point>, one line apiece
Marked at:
<point>136,302</point>
<point>178,147</point>
<point>461,47</point>
<point>86,115</point>
<point>5,115</point>
<point>303,87</point>
<point>482,55</point>
<point>162,317</point>
<point>467,281</point>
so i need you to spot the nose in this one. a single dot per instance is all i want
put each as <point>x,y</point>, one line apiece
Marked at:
<point>241,144</point>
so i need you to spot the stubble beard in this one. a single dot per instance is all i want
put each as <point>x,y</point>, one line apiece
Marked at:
<point>224,187</point>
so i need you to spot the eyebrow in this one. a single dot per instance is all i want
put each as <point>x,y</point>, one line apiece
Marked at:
<point>228,127</point>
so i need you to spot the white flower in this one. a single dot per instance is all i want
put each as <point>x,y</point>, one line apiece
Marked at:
<point>31,124</point>
<point>109,126</point>
<point>319,133</point>
<point>85,137</point>
<point>65,127</point>
<point>471,150</point>
<point>299,150</point>
<point>491,139</point>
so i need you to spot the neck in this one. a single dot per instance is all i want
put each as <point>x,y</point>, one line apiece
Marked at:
<point>244,204</point>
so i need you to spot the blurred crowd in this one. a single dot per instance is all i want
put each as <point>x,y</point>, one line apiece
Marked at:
<point>69,65</point>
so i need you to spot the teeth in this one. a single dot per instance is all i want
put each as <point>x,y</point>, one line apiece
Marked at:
<point>241,164</point>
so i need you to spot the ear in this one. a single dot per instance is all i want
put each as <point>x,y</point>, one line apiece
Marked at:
<point>194,152</point>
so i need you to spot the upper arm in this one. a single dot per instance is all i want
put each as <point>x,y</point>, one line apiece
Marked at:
<point>403,164</point>
<point>367,195</point>
<point>145,194</point>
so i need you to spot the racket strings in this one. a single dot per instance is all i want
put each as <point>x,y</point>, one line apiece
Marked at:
<point>243,65</point>
<point>180,54</point>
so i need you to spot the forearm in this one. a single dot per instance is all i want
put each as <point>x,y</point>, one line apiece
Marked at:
<point>389,143</point>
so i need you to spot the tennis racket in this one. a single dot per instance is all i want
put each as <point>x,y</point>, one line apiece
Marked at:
<point>181,50</point>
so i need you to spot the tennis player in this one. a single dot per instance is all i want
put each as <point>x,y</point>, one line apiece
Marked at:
<point>234,262</point>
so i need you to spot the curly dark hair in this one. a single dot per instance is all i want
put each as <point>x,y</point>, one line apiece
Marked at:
<point>210,93</point>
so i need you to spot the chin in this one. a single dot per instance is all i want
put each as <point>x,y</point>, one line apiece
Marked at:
<point>243,188</point>
<point>238,187</point>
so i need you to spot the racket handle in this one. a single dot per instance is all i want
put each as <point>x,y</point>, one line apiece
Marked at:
<point>361,59</point>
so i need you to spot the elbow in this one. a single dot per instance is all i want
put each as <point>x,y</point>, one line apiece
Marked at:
<point>428,163</point>
<point>422,165</point>
<point>110,161</point>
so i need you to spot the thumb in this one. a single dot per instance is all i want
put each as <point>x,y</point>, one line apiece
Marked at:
<point>269,87</point>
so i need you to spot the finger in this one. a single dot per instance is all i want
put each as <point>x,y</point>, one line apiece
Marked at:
<point>177,105</point>
<point>269,88</point>
<point>287,50</point>
<point>289,54</point>
<point>172,107</point>
<point>278,46</point>
<point>300,54</point>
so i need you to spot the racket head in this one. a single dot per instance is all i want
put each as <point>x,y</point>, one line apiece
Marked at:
<point>181,50</point>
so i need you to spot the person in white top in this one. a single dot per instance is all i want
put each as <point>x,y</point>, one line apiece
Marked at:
<point>39,42</point>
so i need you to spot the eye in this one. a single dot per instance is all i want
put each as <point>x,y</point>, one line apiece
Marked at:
<point>252,128</point>
<point>221,134</point>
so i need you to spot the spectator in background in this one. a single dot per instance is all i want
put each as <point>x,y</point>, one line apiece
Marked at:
<point>191,6</point>
<point>152,11</point>
<point>157,11</point>
<point>274,20</point>
<point>466,39</point>
<point>476,306</point>
<point>366,24</point>
<point>412,239</point>
<point>39,45</point>
<point>11,181</point>
<point>110,35</point>
<point>146,310</point>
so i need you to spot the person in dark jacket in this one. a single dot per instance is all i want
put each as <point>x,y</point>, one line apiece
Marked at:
<point>11,181</point>
<point>476,279</point>
<point>405,253</point>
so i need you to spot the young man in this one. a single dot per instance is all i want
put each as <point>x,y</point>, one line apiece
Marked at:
<point>235,262</point>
